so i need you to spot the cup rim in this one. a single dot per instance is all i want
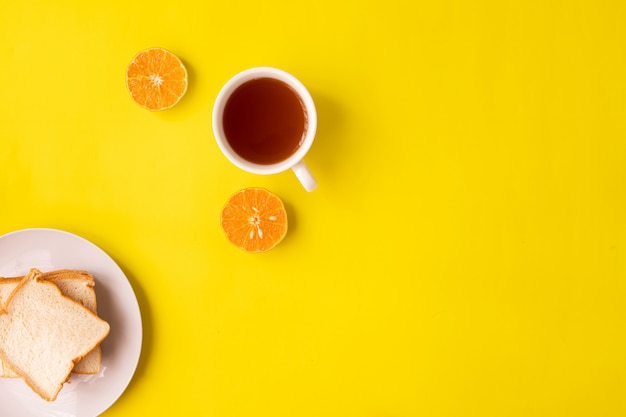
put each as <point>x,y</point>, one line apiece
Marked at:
<point>218,112</point>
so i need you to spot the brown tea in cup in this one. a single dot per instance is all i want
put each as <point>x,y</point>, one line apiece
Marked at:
<point>265,121</point>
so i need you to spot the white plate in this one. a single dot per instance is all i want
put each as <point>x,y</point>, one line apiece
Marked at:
<point>84,395</point>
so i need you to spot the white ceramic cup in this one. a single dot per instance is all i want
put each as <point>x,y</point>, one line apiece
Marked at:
<point>295,161</point>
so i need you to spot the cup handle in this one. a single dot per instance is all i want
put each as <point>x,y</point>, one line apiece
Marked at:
<point>304,175</point>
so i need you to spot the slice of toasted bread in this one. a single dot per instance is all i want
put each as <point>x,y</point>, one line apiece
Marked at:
<point>79,285</point>
<point>76,284</point>
<point>43,333</point>
<point>7,286</point>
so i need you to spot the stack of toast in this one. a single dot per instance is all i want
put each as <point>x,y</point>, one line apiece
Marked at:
<point>49,328</point>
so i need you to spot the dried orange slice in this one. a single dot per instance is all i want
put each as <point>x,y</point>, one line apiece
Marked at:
<point>156,79</point>
<point>254,219</point>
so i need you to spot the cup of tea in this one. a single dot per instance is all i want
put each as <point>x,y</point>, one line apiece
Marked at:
<point>264,121</point>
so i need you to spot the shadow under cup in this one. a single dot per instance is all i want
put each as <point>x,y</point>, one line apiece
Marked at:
<point>264,122</point>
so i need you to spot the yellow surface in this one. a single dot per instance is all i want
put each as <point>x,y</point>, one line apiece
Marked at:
<point>464,254</point>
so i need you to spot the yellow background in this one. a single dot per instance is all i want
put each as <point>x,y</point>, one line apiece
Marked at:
<point>464,254</point>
